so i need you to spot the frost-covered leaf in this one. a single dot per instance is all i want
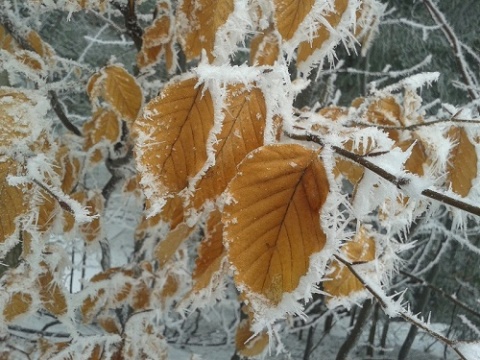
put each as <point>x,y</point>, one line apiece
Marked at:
<point>360,249</point>
<point>265,48</point>
<point>199,22</point>
<point>310,51</point>
<point>104,126</point>
<point>21,118</point>
<point>51,292</point>
<point>289,14</point>
<point>167,247</point>
<point>171,138</point>
<point>12,203</point>
<point>19,303</point>
<point>272,221</point>
<point>247,343</point>
<point>119,89</point>
<point>211,254</point>
<point>418,157</point>
<point>242,131</point>
<point>462,165</point>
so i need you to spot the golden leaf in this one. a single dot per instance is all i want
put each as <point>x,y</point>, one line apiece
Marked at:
<point>200,21</point>
<point>109,324</point>
<point>51,294</point>
<point>141,297</point>
<point>170,287</point>
<point>307,48</point>
<point>264,48</point>
<point>93,229</point>
<point>462,165</point>
<point>119,89</point>
<point>360,249</point>
<point>211,253</point>
<point>90,305</point>
<point>18,304</point>
<point>47,212</point>
<point>167,247</point>
<point>12,201</point>
<point>272,223</point>
<point>171,136</point>
<point>39,46</point>
<point>289,14</point>
<point>104,125</point>
<point>242,132</point>
<point>247,344</point>
<point>418,157</point>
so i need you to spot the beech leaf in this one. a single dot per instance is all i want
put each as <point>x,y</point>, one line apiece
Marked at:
<point>272,221</point>
<point>289,14</point>
<point>462,166</point>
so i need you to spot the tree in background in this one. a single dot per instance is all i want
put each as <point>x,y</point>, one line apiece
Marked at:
<point>260,163</point>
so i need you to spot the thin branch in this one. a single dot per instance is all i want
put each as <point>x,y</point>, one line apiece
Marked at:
<point>400,182</point>
<point>452,39</point>
<point>442,292</point>
<point>131,22</point>
<point>404,314</point>
<point>425,124</point>
<point>57,107</point>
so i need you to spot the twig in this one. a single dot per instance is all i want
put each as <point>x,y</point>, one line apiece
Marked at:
<point>452,39</point>
<point>397,181</point>
<point>131,22</point>
<point>415,126</point>
<point>442,292</point>
<point>57,107</point>
<point>38,332</point>
<point>402,313</point>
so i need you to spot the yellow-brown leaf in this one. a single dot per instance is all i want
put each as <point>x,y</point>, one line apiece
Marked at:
<point>289,14</point>
<point>201,19</point>
<point>264,48</point>
<point>360,249</point>
<point>211,253</point>
<point>18,304</point>
<point>51,293</point>
<point>167,247</point>
<point>462,165</point>
<point>418,157</point>
<point>12,201</point>
<point>272,223</point>
<point>242,132</point>
<point>247,345</point>
<point>171,137</point>
<point>307,48</point>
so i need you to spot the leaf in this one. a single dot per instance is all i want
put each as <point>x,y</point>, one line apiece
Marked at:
<point>200,20</point>
<point>18,304</point>
<point>171,138</point>
<point>307,49</point>
<point>167,247</point>
<point>360,249</point>
<point>92,230</point>
<point>272,222</point>
<point>242,131</point>
<point>247,343</point>
<point>265,48</point>
<point>462,165</point>
<point>289,14</point>
<point>47,212</point>
<point>51,294</point>
<point>91,305</point>
<point>40,47</point>
<point>12,203</point>
<point>141,297</point>
<point>109,324</point>
<point>418,157</point>
<point>119,89</point>
<point>211,254</point>
<point>104,125</point>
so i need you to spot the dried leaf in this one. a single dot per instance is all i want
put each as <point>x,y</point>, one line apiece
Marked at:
<point>246,343</point>
<point>211,254</point>
<point>200,20</point>
<point>171,137</point>
<point>462,165</point>
<point>40,47</point>
<point>360,249</point>
<point>141,297</point>
<point>18,304</point>
<point>167,247</point>
<point>242,132</point>
<point>51,293</point>
<point>12,202</point>
<point>109,324</point>
<point>104,125</point>
<point>289,14</point>
<point>308,48</point>
<point>265,48</point>
<point>90,306</point>
<point>272,223</point>
<point>418,157</point>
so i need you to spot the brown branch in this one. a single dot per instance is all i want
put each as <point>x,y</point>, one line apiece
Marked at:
<point>415,126</point>
<point>57,107</point>
<point>134,30</point>
<point>397,181</point>
<point>452,39</point>
<point>442,292</point>
<point>403,313</point>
